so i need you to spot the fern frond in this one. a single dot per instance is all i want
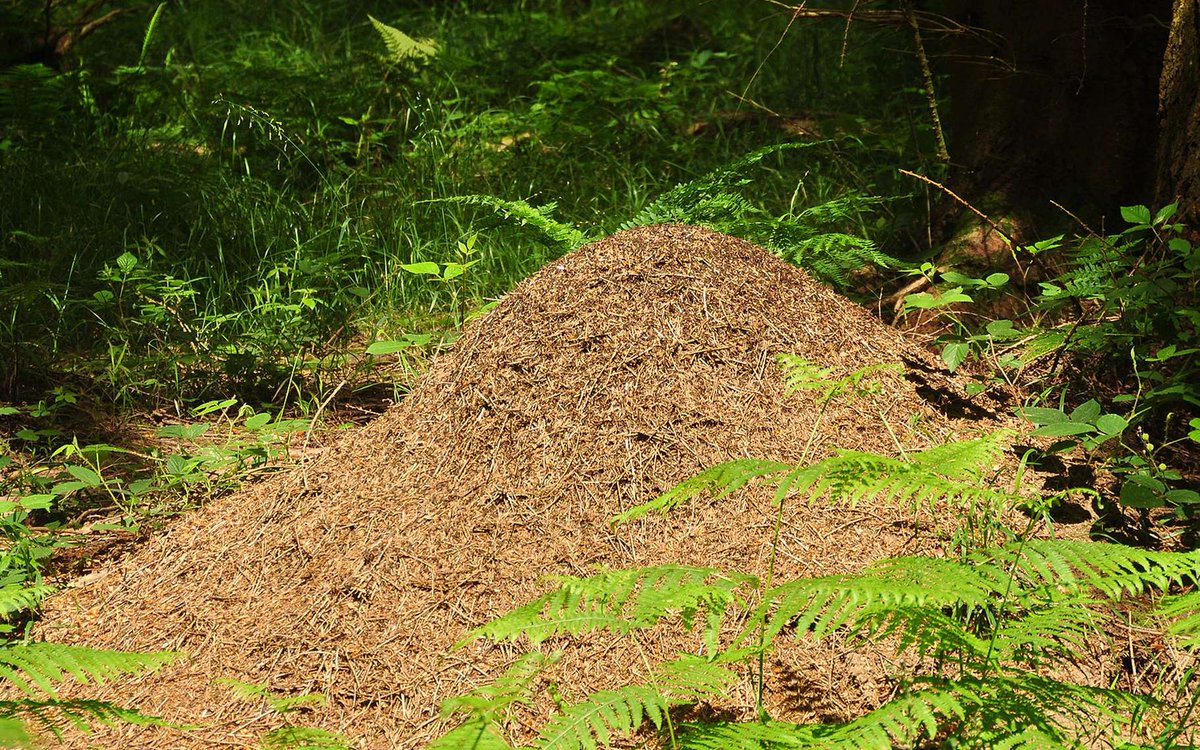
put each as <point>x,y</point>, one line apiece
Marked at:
<point>916,586</point>
<point>475,734</point>
<point>602,715</point>
<point>20,597</point>
<point>53,716</point>
<point>708,199</point>
<point>41,665</point>
<point>1060,627</point>
<point>14,734</point>
<point>594,721</point>
<point>800,374</point>
<point>852,476</point>
<point>965,459</point>
<point>403,47</point>
<point>1184,609</point>
<point>719,480</point>
<point>621,601</point>
<point>832,255</point>
<point>539,217</point>
<point>1114,569</point>
<point>514,686</point>
<point>304,738</point>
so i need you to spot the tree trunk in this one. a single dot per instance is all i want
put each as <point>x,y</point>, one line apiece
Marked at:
<point>1178,177</point>
<point>1055,101</point>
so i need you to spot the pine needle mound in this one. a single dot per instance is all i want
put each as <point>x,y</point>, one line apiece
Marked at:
<point>596,384</point>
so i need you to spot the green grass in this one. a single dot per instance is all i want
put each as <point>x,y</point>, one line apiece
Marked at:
<point>271,174</point>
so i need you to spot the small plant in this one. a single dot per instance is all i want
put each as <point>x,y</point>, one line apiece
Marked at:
<point>1133,293</point>
<point>289,736</point>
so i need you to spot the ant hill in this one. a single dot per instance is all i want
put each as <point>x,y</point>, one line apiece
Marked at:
<point>603,380</point>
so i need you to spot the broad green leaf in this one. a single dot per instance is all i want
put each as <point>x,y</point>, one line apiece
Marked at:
<point>388,347</point>
<point>1165,213</point>
<point>453,271</point>
<point>1041,415</point>
<point>183,431</point>
<point>1111,424</point>
<point>1135,214</point>
<point>258,421</point>
<point>89,477</point>
<point>127,261</point>
<point>1088,411</point>
<point>1141,491</point>
<point>8,410</point>
<point>926,301</point>
<point>425,267</point>
<point>1183,497</point>
<point>996,279</point>
<point>1059,429</point>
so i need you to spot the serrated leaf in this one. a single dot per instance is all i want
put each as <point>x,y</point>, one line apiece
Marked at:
<point>953,354</point>
<point>127,261</point>
<point>1135,214</point>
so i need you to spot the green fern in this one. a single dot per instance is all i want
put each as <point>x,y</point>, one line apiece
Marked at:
<point>564,235</point>
<point>35,668</point>
<point>621,601</point>
<point>403,47</point>
<point>21,597</point>
<point>608,713</point>
<point>1184,610</point>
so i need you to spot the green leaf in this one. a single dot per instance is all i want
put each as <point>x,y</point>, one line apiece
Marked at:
<point>425,267</point>
<point>996,279</point>
<point>89,477</point>
<point>926,301</point>
<point>258,421</point>
<point>1141,491</point>
<point>453,271</point>
<point>182,431</point>
<point>8,410</point>
<point>1182,497</point>
<point>127,261</point>
<point>954,353</point>
<point>1135,214</point>
<point>1111,424</point>
<point>402,46</point>
<point>1088,411</point>
<point>388,347</point>
<point>1059,429</point>
<point>1165,213</point>
<point>1041,415</point>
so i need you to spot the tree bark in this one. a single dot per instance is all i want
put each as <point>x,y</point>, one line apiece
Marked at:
<point>1055,101</point>
<point>1178,160</point>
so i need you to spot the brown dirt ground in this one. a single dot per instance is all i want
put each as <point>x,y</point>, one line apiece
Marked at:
<point>598,383</point>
